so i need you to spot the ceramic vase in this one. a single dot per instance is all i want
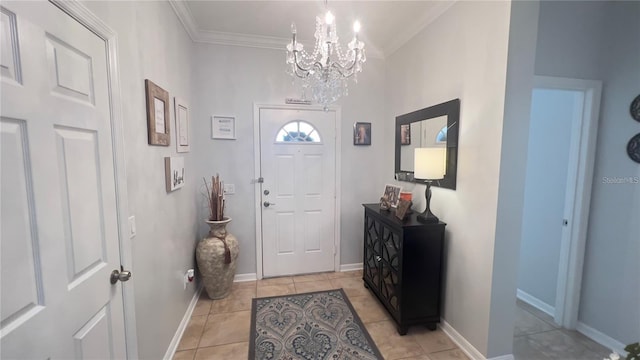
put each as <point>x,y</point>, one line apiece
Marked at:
<point>217,256</point>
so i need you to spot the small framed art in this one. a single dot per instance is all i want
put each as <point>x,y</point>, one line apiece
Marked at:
<point>157,114</point>
<point>392,193</point>
<point>174,172</point>
<point>362,133</point>
<point>182,125</point>
<point>223,127</point>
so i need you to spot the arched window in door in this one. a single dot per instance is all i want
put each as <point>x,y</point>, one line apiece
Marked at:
<point>298,131</point>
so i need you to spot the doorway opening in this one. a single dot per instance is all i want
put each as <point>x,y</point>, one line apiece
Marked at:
<point>560,161</point>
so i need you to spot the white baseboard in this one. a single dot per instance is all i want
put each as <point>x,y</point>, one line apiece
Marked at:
<point>462,343</point>
<point>536,303</point>
<point>245,277</point>
<point>503,357</point>
<point>350,267</point>
<point>600,338</point>
<point>183,325</point>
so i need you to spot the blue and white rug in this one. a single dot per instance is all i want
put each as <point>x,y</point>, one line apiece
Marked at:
<point>312,326</point>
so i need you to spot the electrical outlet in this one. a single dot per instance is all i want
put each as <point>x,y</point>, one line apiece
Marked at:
<point>132,226</point>
<point>229,189</point>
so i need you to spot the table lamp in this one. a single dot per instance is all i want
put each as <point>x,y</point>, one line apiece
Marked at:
<point>429,165</point>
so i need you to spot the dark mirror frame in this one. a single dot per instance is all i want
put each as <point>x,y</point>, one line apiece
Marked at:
<point>452,110</point>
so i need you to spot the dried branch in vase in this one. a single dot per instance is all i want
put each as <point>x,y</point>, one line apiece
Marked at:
<point>215,198</point>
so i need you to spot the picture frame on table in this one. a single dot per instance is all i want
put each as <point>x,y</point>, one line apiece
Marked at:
<point>392,193</point>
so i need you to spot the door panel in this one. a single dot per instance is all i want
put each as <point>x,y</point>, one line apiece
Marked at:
<point>298,223</point>
<point>59,222</point>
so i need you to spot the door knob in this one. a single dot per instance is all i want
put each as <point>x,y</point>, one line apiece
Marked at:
<point>267,204</point>
<point>122,275</point>
<point>378,258</point>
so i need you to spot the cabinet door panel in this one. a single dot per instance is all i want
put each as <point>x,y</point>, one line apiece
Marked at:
<point>371,252</point>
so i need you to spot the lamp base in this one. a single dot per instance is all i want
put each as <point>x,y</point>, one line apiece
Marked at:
<point>427,217</point>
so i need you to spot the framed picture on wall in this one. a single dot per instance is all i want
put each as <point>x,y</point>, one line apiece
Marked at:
<point>223,127</point>
<point>182,125</point>
<point>157,114</point>
<point>362,133</point>
<point>174,172</point>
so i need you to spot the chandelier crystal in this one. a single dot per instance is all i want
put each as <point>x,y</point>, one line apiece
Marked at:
<point>326,70</point>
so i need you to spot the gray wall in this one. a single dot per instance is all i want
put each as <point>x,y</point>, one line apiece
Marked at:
<point>228,80</point>
<point>462,54</point>
<point>601,40</point>
<point>153,44</point>
<point>552,114</point>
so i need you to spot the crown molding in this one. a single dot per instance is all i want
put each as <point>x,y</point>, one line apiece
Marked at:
<point>413,29</point>
<point>259,41</point>
<point>186,18</point>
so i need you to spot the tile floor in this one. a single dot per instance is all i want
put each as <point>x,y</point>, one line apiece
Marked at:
<point>219,329</point>
<point>536,337</point>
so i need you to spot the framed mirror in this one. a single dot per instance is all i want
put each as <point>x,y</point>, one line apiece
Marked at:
<point>435,126</point>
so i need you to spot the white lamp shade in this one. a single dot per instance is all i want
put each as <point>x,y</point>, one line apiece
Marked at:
<point>429,163</point>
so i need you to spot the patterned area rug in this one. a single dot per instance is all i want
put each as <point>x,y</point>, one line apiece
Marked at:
<point>313,326</point>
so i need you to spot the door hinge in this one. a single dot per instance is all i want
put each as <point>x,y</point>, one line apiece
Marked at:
<point>259,180</point>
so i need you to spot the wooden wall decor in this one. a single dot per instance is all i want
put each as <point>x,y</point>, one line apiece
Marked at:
<point>157,114</point>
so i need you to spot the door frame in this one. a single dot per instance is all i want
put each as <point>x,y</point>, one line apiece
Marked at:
<point>257,173</point>
<point>582,150</point>
<point>76,10</point>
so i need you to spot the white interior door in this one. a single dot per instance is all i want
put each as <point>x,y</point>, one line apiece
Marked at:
<point>59,220</point>
<point>297,160</point>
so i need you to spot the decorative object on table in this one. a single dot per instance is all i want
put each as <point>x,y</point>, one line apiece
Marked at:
<point>405,195</point>
<point>182,125</point>
<point>217,253</point>
<point>405,134</point>
<point>362,133</point>
<point>402,210</point>
<point>325,71</point>
<point>317,325</point>
<point>634,109</point>
<point>223,127</point>
<point>174,172</point>
<point>157,114</point>
<point>392,192</point>
<point>633,148</point>
<point>384,202</point>
<point>429,165</point>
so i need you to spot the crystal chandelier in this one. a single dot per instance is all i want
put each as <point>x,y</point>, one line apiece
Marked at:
<point>326,70</point>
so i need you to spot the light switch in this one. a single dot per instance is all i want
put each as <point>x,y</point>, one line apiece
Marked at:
<point>132,226</point>
<point>229,189</point>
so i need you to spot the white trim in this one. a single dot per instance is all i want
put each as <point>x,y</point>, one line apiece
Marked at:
<point>601,338</point>
<point>350,267</point>
<point>173,346</point>
<point>337,240</point>
<point>186,18</point>
<point>413,28</point>
<point>257,174</point>
<point>459,340</point>
<point>578,195</point>
<point>503,357</point>
<point>536,303</point>
<point>245,277</point>
<point>182,11</point>
<point>83,15</point>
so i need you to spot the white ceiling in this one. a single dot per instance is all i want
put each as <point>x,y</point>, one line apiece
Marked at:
<point>386,25</point>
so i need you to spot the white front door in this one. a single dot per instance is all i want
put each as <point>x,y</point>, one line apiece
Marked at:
<point>59,220</point>
<point>297,160</point>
